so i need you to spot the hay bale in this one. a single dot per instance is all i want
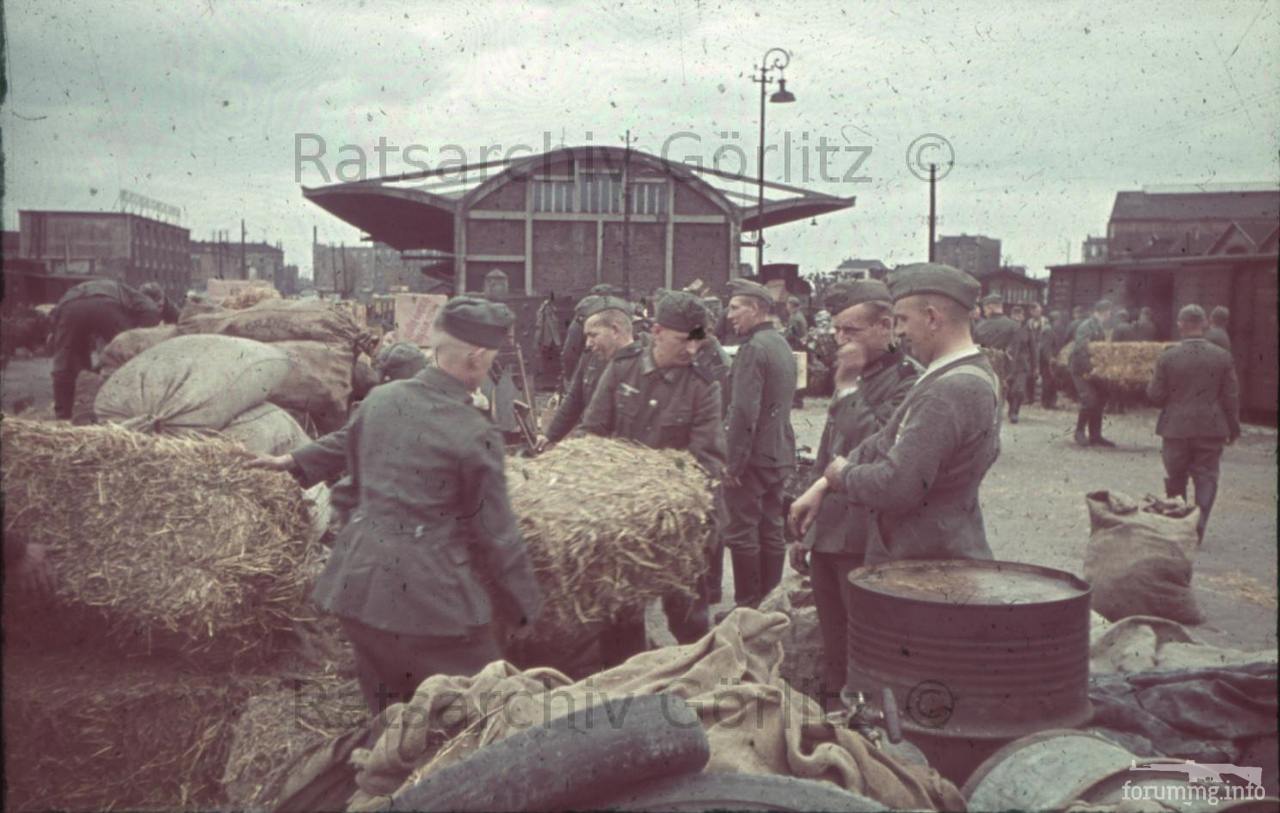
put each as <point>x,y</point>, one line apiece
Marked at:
<point>1001,365</point>
<point>249,296</point>
<point>170,541</point>
<point>277,727</point>
<point>1125,366</point>
<point>95,732</point>
<point>609,525</point>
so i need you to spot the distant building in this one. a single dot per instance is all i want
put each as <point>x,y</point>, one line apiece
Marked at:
<point>231,259</point>
<point>974,253</point>
<point>287,281</point>
<point>361,271</point>
<point>852,269</point>
<point>123,246</point>
<point>1013,285</point>
<point>1163,254</point>
<point>1094,250</point>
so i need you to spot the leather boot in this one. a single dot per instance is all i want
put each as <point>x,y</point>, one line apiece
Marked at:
<point>771,563</point>
<point>746,578</point>
<point>715,575</point>
<point>1095,431</point>
<point>1174,489</point>
<point>64,396</point>
<point>1081,420</point>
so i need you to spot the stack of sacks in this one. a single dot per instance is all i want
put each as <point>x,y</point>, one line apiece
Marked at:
<point>202,385</point>
<point>320,340</point>
<point>180,591</point>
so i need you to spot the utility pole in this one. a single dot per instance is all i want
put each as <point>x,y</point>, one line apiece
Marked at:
<point>933,206</point>
<point>626,218</point>
<point>244,270</point>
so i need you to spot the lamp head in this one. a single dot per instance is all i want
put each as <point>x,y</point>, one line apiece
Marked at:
<point>782,95</point>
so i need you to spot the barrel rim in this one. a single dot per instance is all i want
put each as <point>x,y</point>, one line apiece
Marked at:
<point>989,764</point>
<point>856,578</point>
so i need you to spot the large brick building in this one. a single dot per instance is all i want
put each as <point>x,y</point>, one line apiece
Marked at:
<point>361,271</point>
<point>232,259</point>
<point>974,253</point>
<point>119,245</point>
<point>559,223</point>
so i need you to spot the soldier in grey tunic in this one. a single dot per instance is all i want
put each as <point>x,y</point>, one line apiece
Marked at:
<point>836,540</point>
<point>1091,391</point>
<point>921,472</point>
<point>1195,386</point>
<point>607,328</point>
<point>762,444</point>
<point>1219,318</point>
<point>404,576</point>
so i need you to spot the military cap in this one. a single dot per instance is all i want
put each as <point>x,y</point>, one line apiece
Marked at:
<point>605,289</point>
<point>604,303</point>
<point>681,311</point>
<point>842,295</point>
<point>476,321</point>
<point>398,361</point>
<point>153,290</point>
<point>587,305</point>
<point>934,278</point>
<point>993,299</point>
<point>742,287</point>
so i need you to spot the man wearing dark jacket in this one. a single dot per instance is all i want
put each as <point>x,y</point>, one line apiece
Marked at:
<point>575,340</point>
<point>90,313</point>
<point>1001,332</point>
<point>1091,391</point>
<point>762,444</point>
<point>607,327</point>
<point>922,470</point>
<point>1195,386</point>
<point>1145,330</point>
<point>1217,332</point>
<point>404,577</point>
<point>873,378</point>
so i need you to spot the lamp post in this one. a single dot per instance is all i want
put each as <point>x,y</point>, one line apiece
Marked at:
<point>774,59</point>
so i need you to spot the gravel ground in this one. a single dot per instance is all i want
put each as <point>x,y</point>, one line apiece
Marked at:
<point>1033,500</point>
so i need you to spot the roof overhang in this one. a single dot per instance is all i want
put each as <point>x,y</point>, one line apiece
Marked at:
<point>778,212</point>
<point>404,219</point>
<point>1165,262</point>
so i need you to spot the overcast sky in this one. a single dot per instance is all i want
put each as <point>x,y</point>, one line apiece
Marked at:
<point>1049,107</point>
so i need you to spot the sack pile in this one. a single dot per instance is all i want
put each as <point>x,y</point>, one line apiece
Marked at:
<point>181,582</point>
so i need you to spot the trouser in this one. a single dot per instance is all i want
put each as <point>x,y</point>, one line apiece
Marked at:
<point>1093,399</point>
<point>1048,386</point>
<point>754,533</point>
<point>1197,459</point>
<point>1017,390</point>
<point>829,575</point>
<point>390,666</point>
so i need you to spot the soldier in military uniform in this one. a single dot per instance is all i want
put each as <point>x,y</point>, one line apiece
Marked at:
<point>90,313</point>
<point>608,329</point>
<point>921,472</point>
<point>1145,330</point>
<point>1217,332</point>
<point>1022,353</point>
<point>575,340</point>
<point>1195,386</point>
<point>762,444</point>
<point>873,378</point>
<point>797,325</point>
<point>432,509</point>
<point>1091,391</point>
<point>655,395</point>
<point>1000,332</point>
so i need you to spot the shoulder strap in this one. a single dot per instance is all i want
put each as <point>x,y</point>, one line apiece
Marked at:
<point>977,372</point>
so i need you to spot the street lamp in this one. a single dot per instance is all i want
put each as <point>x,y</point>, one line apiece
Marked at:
<point>780,60</point>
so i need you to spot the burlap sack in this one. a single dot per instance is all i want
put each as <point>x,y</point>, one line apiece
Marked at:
<point>277,320</point>
<point>130,343</point>
<point>191,383</point>
<point>266,429</point>
<point>318,383</point>
<point>755,722</point>
<point>1139,561</point>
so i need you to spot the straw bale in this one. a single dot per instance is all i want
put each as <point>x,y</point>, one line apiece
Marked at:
<point>1001,364</point>
<point>249,296</point>
<point>278,726</point>
<point>95,732</point>
<point>609,525</point>
<point>1127,366</point>
<point>171,541</point>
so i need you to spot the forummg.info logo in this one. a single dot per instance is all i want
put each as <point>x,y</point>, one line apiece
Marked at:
<point>1205,782</point>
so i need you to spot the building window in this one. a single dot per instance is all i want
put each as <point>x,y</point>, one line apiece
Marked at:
<point>553,196</point>
<point>649,198</point>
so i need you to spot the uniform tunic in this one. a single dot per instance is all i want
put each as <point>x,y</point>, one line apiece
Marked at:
<point>922,471</point>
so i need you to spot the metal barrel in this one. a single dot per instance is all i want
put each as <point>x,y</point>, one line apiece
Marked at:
<point>1052,769</point>
<point>972,649</point>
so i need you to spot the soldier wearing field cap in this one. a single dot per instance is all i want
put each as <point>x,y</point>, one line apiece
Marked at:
<point>404,577</point>
<point>1196,389</point>
<point>607,326</point>
<point>655,395</point>
<point>920,473</point>
<point>762,444</point>
<point>873,376</point>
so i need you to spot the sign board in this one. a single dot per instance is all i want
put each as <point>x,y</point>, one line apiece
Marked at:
<point>414,315</point>
<point>355,309</point>
<point>802,370</point>
<point>223,288</point>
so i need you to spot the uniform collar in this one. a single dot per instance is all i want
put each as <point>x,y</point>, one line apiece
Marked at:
<point>647,367</point>
<point>765,325</point>
<point>889,359</point>
<point>439,380</point>
<point>948,359</point>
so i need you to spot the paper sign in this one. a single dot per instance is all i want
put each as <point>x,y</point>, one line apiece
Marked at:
<point>414,315</point>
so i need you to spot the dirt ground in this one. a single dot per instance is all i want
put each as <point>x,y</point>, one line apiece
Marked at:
<point>1033,501</point>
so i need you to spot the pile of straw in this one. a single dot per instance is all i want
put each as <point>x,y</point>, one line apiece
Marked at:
<point>277,727</point>
<point>171,541</point>
<point>93,732</point>
<point>609,526</point>
<point>1126,366</point>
